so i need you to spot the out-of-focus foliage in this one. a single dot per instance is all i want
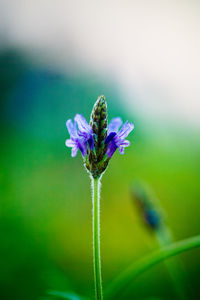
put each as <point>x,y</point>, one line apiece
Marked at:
<point>45,231</point>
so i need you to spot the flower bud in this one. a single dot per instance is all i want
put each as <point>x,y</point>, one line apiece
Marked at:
<point>95,161</point>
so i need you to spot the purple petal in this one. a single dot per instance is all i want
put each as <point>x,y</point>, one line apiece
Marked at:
<point>125,143</point>
<point>82,124</point>
<point>110,137</point>
<point>82,146</point>
<point>71,128</point>
<point>114,125</point>
<point>91,142</point>
<point>70,143</point>
<point>74,151</point>
<point>122,145</point>
<point>112,147</point>
<point>121,149</point>
<point>125,130</point>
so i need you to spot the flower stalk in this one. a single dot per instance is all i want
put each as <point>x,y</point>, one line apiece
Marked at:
<point>96,238</point>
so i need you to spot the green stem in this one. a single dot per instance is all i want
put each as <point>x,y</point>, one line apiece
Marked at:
<point>135,269</point>
<point>174,267</point>
<point>96,238</point>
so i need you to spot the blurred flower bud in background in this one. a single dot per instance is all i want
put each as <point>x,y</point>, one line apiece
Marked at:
<point>147,205</point>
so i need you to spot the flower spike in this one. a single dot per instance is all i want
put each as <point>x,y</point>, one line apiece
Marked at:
<point>97,141</point>
<point>98,121</point>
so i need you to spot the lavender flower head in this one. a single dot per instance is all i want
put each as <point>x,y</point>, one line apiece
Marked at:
<point>97,141</point>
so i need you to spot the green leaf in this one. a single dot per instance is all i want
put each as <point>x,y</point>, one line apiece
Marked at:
<point>65,295</point>
<point>137,268</point>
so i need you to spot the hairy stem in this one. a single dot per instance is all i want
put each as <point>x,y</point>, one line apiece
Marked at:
<point>135,269</point>
<point>96,238</point>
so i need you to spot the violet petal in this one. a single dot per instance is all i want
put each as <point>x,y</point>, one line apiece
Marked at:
<point>110,137</point>
<point>114,125</point>
<point>125,130</point>
<point>82,124</point>
<point>71,128</point>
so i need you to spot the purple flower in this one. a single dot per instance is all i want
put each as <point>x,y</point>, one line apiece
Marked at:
<point>79,138</point>
<point>116,139</point>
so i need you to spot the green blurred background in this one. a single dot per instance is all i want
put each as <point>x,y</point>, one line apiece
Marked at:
<point>46,237</point>
<point>46,209</point>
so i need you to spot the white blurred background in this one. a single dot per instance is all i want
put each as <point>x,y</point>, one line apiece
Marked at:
<point>149,49</point>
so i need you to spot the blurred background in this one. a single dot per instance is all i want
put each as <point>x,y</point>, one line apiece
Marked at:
<point>56,58</point>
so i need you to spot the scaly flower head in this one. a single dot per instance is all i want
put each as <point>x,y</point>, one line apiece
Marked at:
<point>96,162</point>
